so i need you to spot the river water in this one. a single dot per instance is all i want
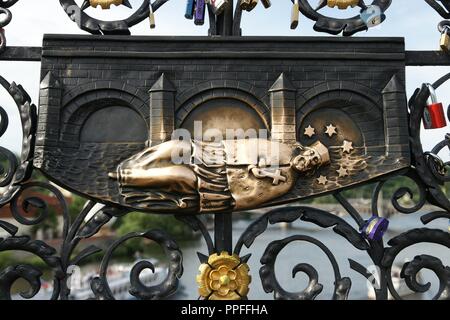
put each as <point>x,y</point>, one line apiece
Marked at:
<point>300,252</point>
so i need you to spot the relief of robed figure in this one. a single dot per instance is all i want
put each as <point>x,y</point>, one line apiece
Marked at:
<point>209,177</point>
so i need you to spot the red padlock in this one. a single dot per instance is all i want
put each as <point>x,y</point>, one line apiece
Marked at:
<point>433,115</point>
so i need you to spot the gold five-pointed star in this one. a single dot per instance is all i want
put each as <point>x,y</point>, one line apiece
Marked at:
<point>342,172</point>
<point>347,147</point>
<point>322,180</point>
<point>331,130</point>
<point>310,131</point>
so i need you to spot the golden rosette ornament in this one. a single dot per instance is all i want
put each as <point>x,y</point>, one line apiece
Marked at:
<point>105,4</point>
<point>224,277</point>
<point>342,4</point>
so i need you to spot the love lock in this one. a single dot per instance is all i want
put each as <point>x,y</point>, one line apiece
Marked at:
<point>190,9</point>
<point>437,163</point>
<point>372,16</point>
<point>200,12</point>
<point>151,15</point>
<point>295,14</point>
<point>375,228</point>
<point>433,115</point>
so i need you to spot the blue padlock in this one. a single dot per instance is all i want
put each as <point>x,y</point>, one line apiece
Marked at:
<point>375,228</point>
<point>190,8</point>
<point>200,12</point>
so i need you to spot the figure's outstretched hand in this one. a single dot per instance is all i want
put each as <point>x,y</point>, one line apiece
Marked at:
<point>113,175</point>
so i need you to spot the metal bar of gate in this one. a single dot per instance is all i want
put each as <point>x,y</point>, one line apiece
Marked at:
<point>412,58</point>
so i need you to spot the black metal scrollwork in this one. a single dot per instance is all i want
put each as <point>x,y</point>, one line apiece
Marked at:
<point>318,217</point>
<point>411,269</point>
<point>5,19</point>
<point>138,289</point>
<point>15,179</point>
<point>427,173</point>
<point>440,6</point>
<point>96,26</point>
<point>18,172</point>
<point>347,26</point>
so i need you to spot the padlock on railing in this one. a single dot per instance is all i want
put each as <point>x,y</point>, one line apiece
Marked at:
<point>375,228</point>
<point>252,5</point>
<point>372,16</point>
<point>444,28</point>
<point>295,14</point>
<point>433,115</point>
<point>190,9</point>
<point>266,3</point>
<point>244,4</point>
<point>151,16</point>
<point>218,6</point>
<point>445,40</point>
<point>248,5</point>
<point>200,12</point>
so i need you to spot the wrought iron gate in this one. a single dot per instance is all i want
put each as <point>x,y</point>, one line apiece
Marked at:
<point>379,142</point>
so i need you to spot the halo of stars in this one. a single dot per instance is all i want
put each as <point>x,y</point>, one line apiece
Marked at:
<point>347,147</point>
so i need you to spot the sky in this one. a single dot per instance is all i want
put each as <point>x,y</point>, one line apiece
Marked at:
<point>412,19</point>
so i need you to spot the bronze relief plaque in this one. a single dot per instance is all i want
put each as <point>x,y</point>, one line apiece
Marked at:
<point>109,109</point>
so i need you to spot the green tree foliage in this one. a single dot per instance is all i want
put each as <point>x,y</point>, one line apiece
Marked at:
<point>76,206</point>
<point>139,222</point>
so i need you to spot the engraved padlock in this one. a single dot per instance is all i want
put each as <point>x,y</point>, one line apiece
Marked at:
<point>200,12</point>
<point>295,14</point>
<point>433,115</point>
<point>445,39</point>
<point>190,8</point>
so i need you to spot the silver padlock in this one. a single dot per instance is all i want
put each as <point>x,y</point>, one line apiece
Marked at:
<point>372,16</point>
